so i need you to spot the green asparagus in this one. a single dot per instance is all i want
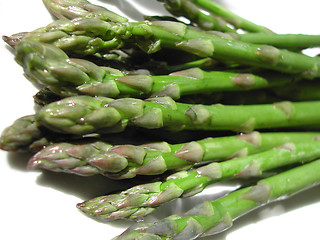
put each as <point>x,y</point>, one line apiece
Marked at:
<point>127,161</point>
<point>84,114</point>
<point>52,68</point>
<point>70,9</point>
<point>286,41</point>
<point>24,133</point>
<point>87,36</point>
<point>141,200</point>
<point>238,22</point>
<point>299,91</point>
<point>190,11</point>
<point>211,217</point>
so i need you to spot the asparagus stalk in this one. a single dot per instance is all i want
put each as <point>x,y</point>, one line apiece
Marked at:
<point>211,217</point>
<point>87,36</point>
<point>192,12</point>
<point>84,114</point>
<point>300,91</point>
<point>239,22</point>
<point>127,161</point>
<point>286,41</point>
<point>141,200</point>
<point>52,68</point>
<point>70,9</point>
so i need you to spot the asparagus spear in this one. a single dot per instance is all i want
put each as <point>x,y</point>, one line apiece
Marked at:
<point>84,114</point>
<point>211,217</point>
<point>27,134</point>
<point>70,9</point>
<point>300,91</point>
<point>51,67</point>
<point>190,11</point>
<point>286,41</point>
<point>141,200</point>
<point>24,133</point>
<point>127,161</point>
<point>90,35</point>
<point>237,21</point>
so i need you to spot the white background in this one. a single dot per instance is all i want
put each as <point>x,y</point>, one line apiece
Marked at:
<point>41,205</point>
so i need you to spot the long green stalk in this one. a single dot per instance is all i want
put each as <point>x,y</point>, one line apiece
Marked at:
<point>211,217</point>
<point>127,161</point>
<point>231,17</point>
<point>193,13</point>
<point>52,68</point>
<point>286,41</point>
<point>90,35</point>
<point>84,114</point>
<point>141,200</point>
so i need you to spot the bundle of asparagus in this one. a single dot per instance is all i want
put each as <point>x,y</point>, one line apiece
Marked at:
<point>103,79</point>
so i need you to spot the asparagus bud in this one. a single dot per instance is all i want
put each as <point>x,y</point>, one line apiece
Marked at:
<point>212,217</point>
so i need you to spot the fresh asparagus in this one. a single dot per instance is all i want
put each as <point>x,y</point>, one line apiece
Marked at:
<point>27,134</point>
<point>52,68</point>
<point>189,10</point>
<point>127,161</point>
<point>70,9</point>
<point>24,133</point>
<point>238,22</point>
<point>90,35</point>
<point>286,41</point>
<point>84,114</point>
<point>299,91</point>
<point>141,200</point>
<point>211,217</point>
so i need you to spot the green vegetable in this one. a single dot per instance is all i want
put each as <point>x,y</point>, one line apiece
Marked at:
<point>127,161</point>
<point>85,36</point>
<point>211,217</point>
<point>141,200</point>
<point>190,11</point>
<point>24,133</point>
<point>239,22</point>
<point>70,9</point>
<point>84,114</point>
<point>52,68</point>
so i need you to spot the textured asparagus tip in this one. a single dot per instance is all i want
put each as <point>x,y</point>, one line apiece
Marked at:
<point>84,114</point>
<point>87,36</point>
<point>70,9</point>
<point>211,217</point>
<point>14,39</point>
<point>23,134</point>
<point>51,67</point>
<point>141,200</point>
<point>127,161</point>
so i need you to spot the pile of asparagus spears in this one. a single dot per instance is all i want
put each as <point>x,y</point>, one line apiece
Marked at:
<point>207,96</point>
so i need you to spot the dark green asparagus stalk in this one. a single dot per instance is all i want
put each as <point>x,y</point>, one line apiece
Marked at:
<point>190,11</point>
<point>52,68</point>
<point>211,217</point>
<point>70,9</point>
<point>90,35</point>
<point>238,22</point>
<point>84,114</point>
<point>302,91</point>
<point>141,200</point>
<point>127,161</point>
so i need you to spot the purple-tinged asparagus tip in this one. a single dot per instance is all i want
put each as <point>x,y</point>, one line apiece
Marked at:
<point>14,39</point>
